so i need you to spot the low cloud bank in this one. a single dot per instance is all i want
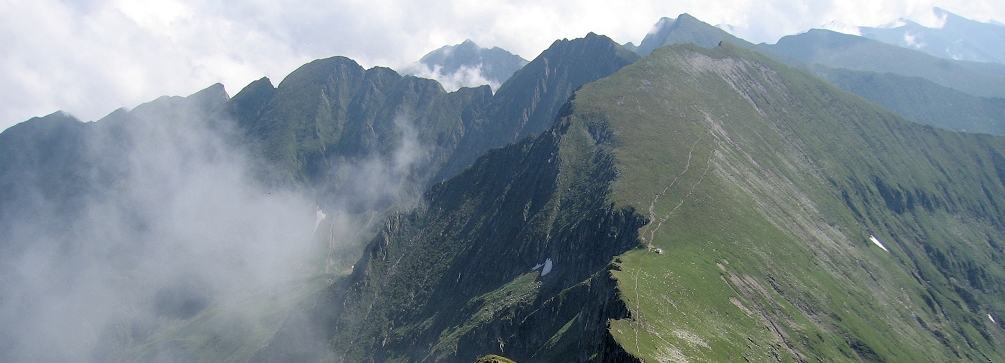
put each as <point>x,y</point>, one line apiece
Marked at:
<point>182,227</point>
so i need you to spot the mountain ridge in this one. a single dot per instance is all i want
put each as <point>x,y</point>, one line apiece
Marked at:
<point>749,220</point>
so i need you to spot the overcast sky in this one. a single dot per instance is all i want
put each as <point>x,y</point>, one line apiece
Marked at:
<point>89,57</point>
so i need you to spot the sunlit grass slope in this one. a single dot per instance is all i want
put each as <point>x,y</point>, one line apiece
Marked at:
<point>763,186</point>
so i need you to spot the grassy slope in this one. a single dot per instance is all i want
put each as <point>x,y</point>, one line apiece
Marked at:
<point>764,185</point>
<point>922,101</point>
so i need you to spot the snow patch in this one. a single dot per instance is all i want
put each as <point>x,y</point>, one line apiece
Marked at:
<point>317,221</point>
<point>991,318</point>
<point>547,265</point>
<point>877,242</point>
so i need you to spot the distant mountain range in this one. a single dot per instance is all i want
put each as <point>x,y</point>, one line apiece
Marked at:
<point>953,37</point>
<point>956,95</point>
<point>694,198</point>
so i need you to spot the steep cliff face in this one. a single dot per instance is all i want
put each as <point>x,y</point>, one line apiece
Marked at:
<point>509,257</point>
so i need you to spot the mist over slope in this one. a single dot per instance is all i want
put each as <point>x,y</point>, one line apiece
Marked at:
<point>147,220</point>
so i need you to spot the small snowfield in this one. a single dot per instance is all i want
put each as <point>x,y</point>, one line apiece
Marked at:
<point>877,242</point>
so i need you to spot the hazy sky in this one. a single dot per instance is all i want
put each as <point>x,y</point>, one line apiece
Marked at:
<point>89,57</point>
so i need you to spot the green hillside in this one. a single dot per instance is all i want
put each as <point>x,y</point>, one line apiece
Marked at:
<point>763,187</point>
<point>922,101</point>
<point>735,199</point>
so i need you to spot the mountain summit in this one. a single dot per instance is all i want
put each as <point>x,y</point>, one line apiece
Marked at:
<point>684,29</point>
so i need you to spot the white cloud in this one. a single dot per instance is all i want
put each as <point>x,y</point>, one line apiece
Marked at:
<point>842,28</point>
<point>90,57</point>
<point>933,19</point>
<point>462,77</point>
<point>184,226</point>
<point>911,41</point>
